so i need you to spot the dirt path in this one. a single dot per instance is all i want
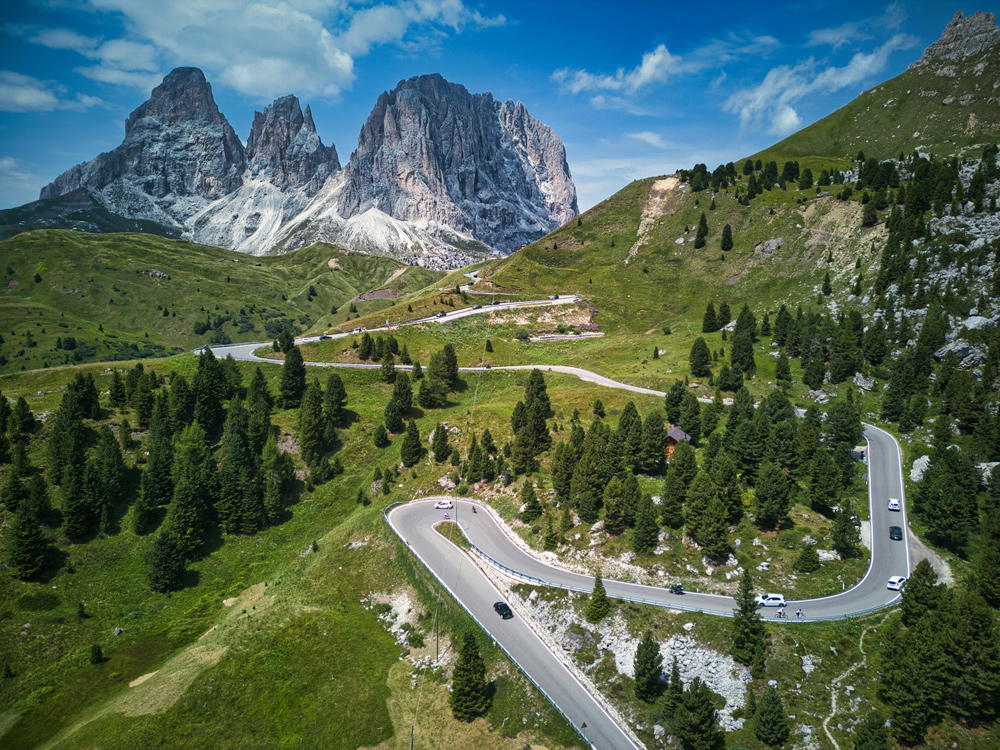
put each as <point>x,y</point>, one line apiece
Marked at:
<point>835,684</point>
<point>920,551</point>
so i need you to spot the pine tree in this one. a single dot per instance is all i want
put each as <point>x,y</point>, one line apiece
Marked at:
<point>388,370</point>
<point>614,507</point>
<point>783,372</point>
<point>380,437</point>
<point>393,417</point>
<point>532,508</point>
<point>654,442</point>
<point>724,315</point>
<point>167,563</point>
<point>402,393</point>
<point>672,694</point>
<point>440,445</point>
<point>750,641</point>
<point>598,606</point>
<point>587,505</point>
<point>727,238</point>
<point>116,395</point>
<point>410,451</point>
<point>29,549</point>
<point>648,669</point>
<point>335,403</point>
<point>311,424</point>
<point>742,354</point>
<point>871,733</point>
<point>550,539</point>
<point>808,560</point>
<point>700,359</point>
<point>773,496</point>
<point>827,288</point>
<point>825,487</point>
<point>646,533</point>
<point>709,323</point>
<point>293,380</point>
<point>770,723</point>
<point>715,531</point>
<point>469,696</point>
<point>696,723</point>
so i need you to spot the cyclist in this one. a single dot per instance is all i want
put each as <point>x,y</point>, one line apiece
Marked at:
<point>781,612</point>
<point>798,613</point>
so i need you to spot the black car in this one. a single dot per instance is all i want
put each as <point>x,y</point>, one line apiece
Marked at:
<point>503,610</point>
<point>895,532</point>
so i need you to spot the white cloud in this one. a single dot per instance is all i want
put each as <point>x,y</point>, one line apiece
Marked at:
<point>63,39</point>
<point>786,120</point>
<point>21,93</point>
<point>836,37</point>
<point>659,67</point>
<point>656,67</point>
<point>773,99</point>
<point>648,137</point>
<point>265,48</point>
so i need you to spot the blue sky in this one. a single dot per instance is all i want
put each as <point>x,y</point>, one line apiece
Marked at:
<point>632,88</point>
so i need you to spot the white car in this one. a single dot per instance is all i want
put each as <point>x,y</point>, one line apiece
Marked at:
<point>770,600</point>
<point>894,503</point>
<point>896,583</point>
<point>444,505</point>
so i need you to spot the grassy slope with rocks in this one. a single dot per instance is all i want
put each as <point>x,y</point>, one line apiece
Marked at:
<point>921,108</point>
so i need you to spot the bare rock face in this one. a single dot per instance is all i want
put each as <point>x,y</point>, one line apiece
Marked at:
<point>440,178</point>
<point>285,149</point>
<point>176,144</point>
<point>963,38</point>
<point>431,151</point>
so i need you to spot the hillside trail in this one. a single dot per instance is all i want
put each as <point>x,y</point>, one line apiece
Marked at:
<point>835,683</point>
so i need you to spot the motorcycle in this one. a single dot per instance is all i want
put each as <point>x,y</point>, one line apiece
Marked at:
<point>677,589</point>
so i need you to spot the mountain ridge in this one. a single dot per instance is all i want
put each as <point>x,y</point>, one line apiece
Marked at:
<point>442,180</point>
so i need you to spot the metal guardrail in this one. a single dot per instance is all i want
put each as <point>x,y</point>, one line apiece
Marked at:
<point>385,515</point>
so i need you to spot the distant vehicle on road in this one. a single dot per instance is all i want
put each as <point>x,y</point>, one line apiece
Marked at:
<point>444,505</point>
<point>895,533</point>
<point>477,307</point>
<point>440,315</point>
<point>895,583</point>
<point>325,338</point>
<point>503,610</point>
<point>554,296</point>
<point>894,503</point>
<point>770,600</point>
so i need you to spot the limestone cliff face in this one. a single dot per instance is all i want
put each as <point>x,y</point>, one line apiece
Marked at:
<point>176,144</point>
<point>285,149</point>
<point>431,151</point>
<point>440,176</point>
<point>963,38</point>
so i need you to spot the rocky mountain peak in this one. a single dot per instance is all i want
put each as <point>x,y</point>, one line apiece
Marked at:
<point>285,149</point>
<point>963,37</point>
<point>177,145</point>
<point>184,95</point>
<point>432,151</point>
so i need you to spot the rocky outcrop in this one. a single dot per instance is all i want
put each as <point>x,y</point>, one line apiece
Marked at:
<point>177,145</point>
<point>431,151</point>
<point>963,37</point>
<point>285,149</point>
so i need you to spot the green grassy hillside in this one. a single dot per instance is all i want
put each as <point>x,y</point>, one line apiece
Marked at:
<point>123,296</point>
<point>922,108</point>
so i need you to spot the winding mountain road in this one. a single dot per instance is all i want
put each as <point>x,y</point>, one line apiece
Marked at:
<point>413,523</point>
